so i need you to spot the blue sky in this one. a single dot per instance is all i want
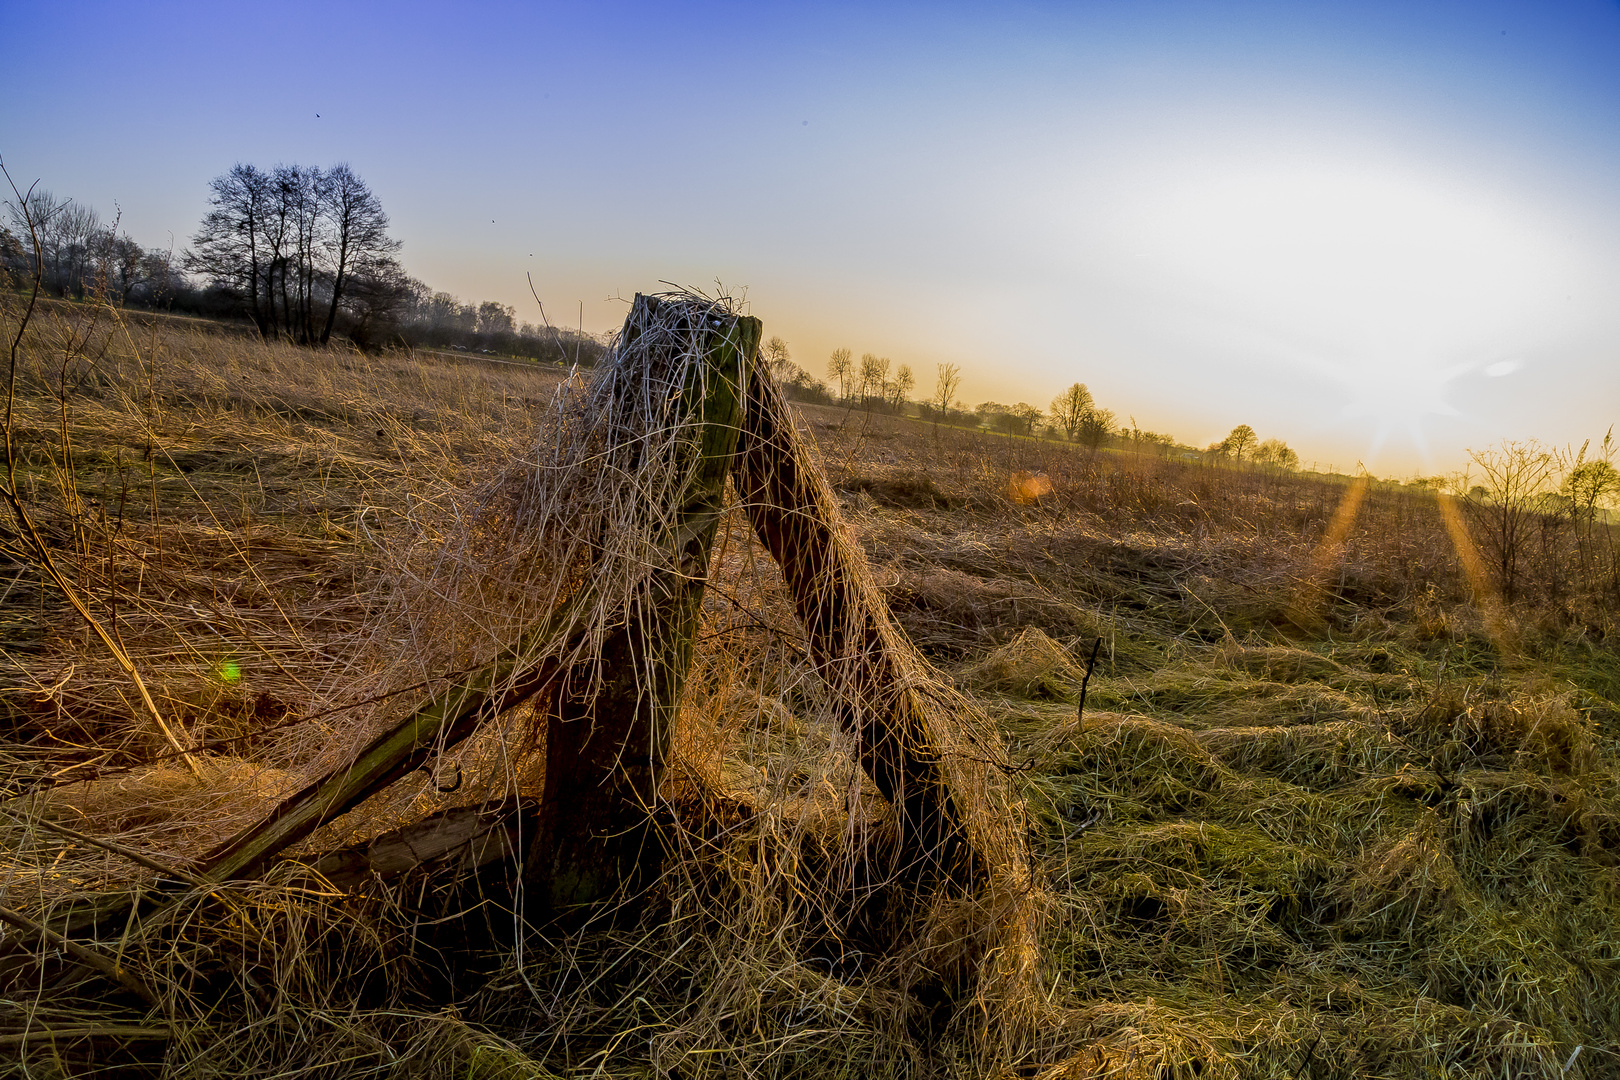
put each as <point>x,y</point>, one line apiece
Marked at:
<point>1381,232</point>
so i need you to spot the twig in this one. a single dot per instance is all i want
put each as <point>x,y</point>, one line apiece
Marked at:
<point>85,955</point>
<point>1085,683</point>
<point>1308,1052</point>
<point>117,849</point>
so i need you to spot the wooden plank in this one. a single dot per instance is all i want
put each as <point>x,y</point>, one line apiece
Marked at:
<point>462,839</point>
<point>442,721</point>
<point>920,742</point>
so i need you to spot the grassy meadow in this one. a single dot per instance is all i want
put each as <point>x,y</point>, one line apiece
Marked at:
<point>1336,805</point>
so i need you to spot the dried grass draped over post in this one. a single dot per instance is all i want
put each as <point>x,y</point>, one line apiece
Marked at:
<point>588,515</point>
<point>610,528</point>
<point>541,562</point>
<point>579,522</point>
<point>566,538</point>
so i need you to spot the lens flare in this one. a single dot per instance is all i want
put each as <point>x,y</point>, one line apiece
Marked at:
<point>1479,581</point>
<point>1305,610</point>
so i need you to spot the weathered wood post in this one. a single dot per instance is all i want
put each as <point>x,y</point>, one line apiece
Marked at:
<point>921,743</point>
<point>863,655</point>
<point>608,732</point>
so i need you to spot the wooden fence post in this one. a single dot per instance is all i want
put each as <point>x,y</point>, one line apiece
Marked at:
<point>608,733</point>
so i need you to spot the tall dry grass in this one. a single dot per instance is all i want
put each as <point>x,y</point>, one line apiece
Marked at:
<point>222,506</point>
<point>290,558</point>
<point>1327,812</point>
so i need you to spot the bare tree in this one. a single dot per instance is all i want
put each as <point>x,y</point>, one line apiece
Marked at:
<point>280,230</point>
<point>900,389</point>
<point>67,235</point>
<point>357,233</point>
<point>288,230</point>
<point>840,367</point>
<point>232,246</point>
<point>1507,505</point>
<point>1275,452</point>
<point>300,188</point>
<point>1239,441</point>
<point>779,362</point>
<point>1069,409</point>
<point>873,374</point>
<point>290,242</point>
<point>946,383</point>
<point>71,235</point>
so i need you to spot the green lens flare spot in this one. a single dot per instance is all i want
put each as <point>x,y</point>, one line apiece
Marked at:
<point>228,671</point>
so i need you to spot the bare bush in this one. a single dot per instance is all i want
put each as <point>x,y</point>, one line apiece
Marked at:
<point>1510,509</point>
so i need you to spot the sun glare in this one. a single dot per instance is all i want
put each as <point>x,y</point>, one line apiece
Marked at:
<point>1397,399</point>
<point>1380,284</point>
<point>1382,253</point>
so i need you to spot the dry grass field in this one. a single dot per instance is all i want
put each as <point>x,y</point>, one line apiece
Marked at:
<point>1332,808</point>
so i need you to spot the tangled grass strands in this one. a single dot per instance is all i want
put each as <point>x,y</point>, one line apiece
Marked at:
<point>1379,843</point>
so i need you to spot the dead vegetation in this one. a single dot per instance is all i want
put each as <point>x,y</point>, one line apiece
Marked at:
<point>1321,816</point>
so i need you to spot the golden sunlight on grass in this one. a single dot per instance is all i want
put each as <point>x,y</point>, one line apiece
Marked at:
<point>1331,797</point>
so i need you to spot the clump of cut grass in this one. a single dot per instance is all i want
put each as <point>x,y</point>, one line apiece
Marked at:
<point>1031,665</point>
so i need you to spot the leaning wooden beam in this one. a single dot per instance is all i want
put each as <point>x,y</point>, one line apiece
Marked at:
<point>444,720</point>
<point>608,735</point>
<point>921,743</point>
<point>864,657</point>
<point>461,840</point>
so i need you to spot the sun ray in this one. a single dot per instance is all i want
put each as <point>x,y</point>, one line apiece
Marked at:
<point>1305,610</point>
<point>1479,580</point>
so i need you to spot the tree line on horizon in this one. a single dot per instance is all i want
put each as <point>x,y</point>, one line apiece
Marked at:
<point>1074,415</point>
<point>301,253</point>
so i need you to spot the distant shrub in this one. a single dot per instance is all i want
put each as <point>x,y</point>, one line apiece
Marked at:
<point>954,417</point>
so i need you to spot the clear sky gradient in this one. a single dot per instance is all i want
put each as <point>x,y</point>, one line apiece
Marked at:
<point>1382,232</point>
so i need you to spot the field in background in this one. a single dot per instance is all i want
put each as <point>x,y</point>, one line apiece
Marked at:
<point>1332,808</point>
